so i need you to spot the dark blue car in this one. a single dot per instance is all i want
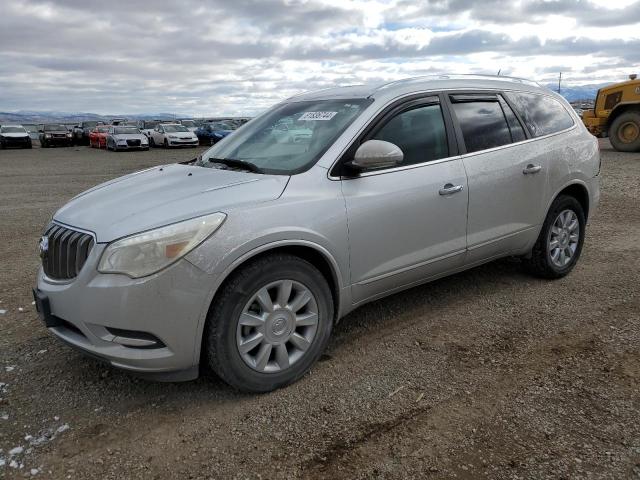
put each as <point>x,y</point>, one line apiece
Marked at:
<point>210,133</point>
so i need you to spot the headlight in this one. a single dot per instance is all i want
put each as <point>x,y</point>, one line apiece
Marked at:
<point>68,134</point>
<point>173,136</point>
<point>149,252</point>
<point>47,135</point>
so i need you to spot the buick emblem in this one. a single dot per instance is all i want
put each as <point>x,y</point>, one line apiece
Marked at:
<point>43,246</point>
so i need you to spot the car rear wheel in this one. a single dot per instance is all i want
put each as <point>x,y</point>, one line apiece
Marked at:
<point>624,133</point>
<point>559,244</point>
<point>270,323</point>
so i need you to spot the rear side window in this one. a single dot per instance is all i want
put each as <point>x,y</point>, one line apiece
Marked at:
<point>483,124</point>
<point>543,115</point>
<point>420,133</point>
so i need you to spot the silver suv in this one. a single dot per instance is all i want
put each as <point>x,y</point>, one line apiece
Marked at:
<point>243,260</point>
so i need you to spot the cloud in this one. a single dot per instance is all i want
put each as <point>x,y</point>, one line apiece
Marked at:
<point>207,57</point>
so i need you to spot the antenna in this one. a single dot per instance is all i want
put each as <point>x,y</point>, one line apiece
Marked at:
<point>499,70</point>
<point>559,81</point>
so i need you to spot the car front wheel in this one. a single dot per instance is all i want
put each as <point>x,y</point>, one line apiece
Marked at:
<point>559,244</point>
<point>270,323</point>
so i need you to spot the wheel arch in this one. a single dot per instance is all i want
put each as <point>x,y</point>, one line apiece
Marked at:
<point>309,251</point>
<point>578,191</point>
<point>620,109</point>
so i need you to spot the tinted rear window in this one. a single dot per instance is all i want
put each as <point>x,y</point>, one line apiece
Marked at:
<point>483,124</point>
<point>543,115</point>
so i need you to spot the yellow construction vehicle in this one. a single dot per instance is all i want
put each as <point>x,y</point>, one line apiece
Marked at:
<point>617,115</point>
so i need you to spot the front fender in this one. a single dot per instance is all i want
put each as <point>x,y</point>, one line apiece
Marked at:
<point>220,272</point>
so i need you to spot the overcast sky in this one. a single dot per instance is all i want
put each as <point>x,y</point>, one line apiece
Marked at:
<point>206,57</point>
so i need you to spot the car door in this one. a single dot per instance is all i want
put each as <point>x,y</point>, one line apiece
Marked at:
<point>407,223</point>
<point>507,176</point>
<point>158,135</point>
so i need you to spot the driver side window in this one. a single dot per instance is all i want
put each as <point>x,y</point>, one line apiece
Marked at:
<point>419,132</point>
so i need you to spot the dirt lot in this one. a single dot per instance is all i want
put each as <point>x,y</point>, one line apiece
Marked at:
<point>487,374</point>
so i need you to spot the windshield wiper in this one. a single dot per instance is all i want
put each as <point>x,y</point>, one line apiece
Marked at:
<point>234,163</point>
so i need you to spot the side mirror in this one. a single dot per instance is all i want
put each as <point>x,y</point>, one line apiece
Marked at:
<point>375,154</point>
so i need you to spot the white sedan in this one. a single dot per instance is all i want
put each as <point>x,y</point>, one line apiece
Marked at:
<point>172,135</point>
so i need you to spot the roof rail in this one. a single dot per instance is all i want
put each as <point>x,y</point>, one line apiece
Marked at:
<point>455,76</point>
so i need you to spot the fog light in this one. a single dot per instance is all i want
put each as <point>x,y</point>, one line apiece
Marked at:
<point>134,339</point>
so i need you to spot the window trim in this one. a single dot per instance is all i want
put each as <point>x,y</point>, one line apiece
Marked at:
<point>332,175</point>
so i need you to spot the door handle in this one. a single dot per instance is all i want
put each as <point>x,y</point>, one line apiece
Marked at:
<point>449,189</point>
<point>531,168</point>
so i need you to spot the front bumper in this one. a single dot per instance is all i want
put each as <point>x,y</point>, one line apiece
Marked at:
<point>182,143</point>
<point>126,146</point>
<point>16,141</point>
<point>89,311</point>
<point>59,140</point>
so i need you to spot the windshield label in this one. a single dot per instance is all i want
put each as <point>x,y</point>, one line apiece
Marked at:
<point>317,116</point>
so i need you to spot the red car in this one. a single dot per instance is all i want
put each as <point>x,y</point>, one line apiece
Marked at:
<point>98,137</point>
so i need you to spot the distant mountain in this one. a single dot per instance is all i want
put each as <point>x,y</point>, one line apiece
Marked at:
<point>578,92</point>
<point>35,116</point>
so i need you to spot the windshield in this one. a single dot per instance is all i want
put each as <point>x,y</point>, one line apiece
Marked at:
<point>151,123</point>
<point>175,128</point>
<point>125,130</point>
<point>12,130</point>
<point>188,123</point>
<point>290,137</point>
<point>89,124</point>
<point>55,128</point>
<point>219,126</point>
<point>102,129</point>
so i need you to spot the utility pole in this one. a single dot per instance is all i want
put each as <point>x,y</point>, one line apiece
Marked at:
<point>559,81</point>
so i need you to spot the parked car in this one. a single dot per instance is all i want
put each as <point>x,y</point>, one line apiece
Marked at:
<point>147,126</point>
<point>190,124</point>
<point>247,258</point>
<point>292,132</point>
<point>32,129</point>
<point>98,136</point>
<point>172,135</point>
<point>126,138</point>
<point>82,131</point>
<point>14,136</point>
<point>55,134</point>
<point>211,133</point>
<point>117,121</point>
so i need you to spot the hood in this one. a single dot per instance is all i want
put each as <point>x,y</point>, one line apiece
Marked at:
<point>129,136</point>
<point>15,135</point>
<point>57,132</point>
<point>162,195</point>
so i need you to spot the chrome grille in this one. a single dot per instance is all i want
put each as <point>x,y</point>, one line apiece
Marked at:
<point>66,253</point>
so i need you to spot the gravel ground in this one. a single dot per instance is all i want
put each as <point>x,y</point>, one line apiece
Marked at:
<point>486,374</point>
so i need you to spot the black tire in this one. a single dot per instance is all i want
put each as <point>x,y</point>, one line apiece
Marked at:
<point>152,142</point>
<point>166,143</point>
<point>43,144</point>
<point>628,120</point>
<point>540,263</point>
<point>219,342</point>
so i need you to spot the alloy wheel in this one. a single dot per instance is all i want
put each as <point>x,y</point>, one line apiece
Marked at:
<point>564,236</point>
<point>277,326</point>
